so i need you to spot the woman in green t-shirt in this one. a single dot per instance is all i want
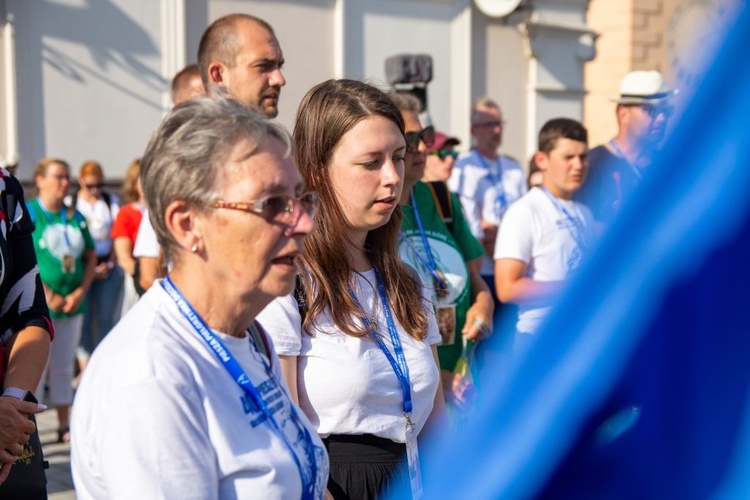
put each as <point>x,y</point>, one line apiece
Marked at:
<point>65,253</point>
<point>447,259</point>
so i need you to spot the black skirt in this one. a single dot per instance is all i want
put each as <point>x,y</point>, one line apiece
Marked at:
<point>365,466</point>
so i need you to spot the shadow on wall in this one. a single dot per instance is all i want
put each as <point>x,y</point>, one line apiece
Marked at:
<point>112,37</point>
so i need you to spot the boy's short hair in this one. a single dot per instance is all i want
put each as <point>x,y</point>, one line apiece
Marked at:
<point>561,128</point>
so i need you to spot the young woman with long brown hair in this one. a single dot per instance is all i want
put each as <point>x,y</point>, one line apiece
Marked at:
<point>357,339</point>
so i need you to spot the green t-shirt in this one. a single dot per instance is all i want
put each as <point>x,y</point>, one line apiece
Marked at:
<point>60,241</point>
<point>451,251</point>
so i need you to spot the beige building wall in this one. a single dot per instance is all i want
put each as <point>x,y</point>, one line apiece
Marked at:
<point>669,36</point>
<point>613,21</point>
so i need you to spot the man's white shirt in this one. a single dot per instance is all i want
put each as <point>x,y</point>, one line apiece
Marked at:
<point>483,185</point>
<point>537,233</point>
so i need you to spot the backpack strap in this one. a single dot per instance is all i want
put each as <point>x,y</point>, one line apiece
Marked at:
<point>443,202</point>
<point>106,197</point>
<point>261,341</point>
<point>108,201</point>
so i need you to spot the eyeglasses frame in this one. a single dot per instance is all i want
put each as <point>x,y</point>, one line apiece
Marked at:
<point>258,207</point>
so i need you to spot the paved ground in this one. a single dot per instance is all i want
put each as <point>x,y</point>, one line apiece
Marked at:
<point>59,480</point>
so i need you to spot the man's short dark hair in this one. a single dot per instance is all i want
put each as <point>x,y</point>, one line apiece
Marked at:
<point>561,128</point>
<point>219,42</point>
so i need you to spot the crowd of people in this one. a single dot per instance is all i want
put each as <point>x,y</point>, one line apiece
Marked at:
<point>290,316</point>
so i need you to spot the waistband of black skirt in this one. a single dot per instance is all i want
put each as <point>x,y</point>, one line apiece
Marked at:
<point>363,448</point>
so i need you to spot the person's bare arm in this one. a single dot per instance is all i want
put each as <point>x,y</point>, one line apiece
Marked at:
<point>27,350</point>
<point>490,235</point>
<point>74,298</point>
<point>124,254</point>
<point>482,305</point>
<point>55,301</point>
<point>149,271</point>
<point>288,365</point>
<point>513,285</point>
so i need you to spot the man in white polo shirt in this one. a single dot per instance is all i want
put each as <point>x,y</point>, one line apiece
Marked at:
<point>486,182</point>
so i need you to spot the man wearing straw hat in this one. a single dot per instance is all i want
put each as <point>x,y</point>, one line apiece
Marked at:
<point>617,167</point>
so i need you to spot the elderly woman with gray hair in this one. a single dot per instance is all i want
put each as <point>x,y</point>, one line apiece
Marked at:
<point>185,398</point>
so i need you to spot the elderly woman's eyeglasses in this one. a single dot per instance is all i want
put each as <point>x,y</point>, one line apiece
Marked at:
<point>427,135</point>
<point>283,209</point>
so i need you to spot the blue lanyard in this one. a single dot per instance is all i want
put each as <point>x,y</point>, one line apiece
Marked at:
<point>399,367</point>
<point>619,152</point>
<point>430,263</point>
<point>498,183</point>
<point>239,376</point>
<point>577,222</point>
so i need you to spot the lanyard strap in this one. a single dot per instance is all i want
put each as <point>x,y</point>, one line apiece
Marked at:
<point>577,222</point>
<point>399,364</point>
<point>240,377</point>
<point>619,152</point>
<point>497,182</point>
<point>48,215</point>
<point>429,263</point>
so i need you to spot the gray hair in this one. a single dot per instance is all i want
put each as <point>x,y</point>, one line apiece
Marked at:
<point>482,102</point>
<point>186,156</point>
<point>405,101</point>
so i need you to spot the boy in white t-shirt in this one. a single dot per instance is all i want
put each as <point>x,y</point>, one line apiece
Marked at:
<point>545,235</point>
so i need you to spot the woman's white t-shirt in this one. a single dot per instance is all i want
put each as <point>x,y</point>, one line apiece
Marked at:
<point>158,416</point>
<point>346,384</point>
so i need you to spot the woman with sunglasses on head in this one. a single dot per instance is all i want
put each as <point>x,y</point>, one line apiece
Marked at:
<point>104,299</point>
<point>185,398</point>
<point>447,256</point>
<point>357,338</point>
<point>440,158</point>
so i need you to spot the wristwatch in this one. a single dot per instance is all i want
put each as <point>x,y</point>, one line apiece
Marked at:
<point>23,395</point>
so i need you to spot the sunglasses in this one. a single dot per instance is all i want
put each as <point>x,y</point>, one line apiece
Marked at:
<point>443,154</point>
<point>426,135</point>
<point>93,186</point>
<point>654,110</point>
<point>285,210</point>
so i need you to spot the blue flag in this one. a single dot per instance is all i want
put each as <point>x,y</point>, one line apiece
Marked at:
<point>637,386</point>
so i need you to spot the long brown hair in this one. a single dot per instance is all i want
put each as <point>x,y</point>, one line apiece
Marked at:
<point>327,112</point>
<point>130,183</point>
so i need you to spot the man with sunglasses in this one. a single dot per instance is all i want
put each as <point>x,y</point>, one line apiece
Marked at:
<point>617,167</point>
<point>440,158</point>
<point>487,182</point>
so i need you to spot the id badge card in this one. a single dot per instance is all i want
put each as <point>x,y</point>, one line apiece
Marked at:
<point>446,319</point>
<point>68,263</point>
<point>412,456</point>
